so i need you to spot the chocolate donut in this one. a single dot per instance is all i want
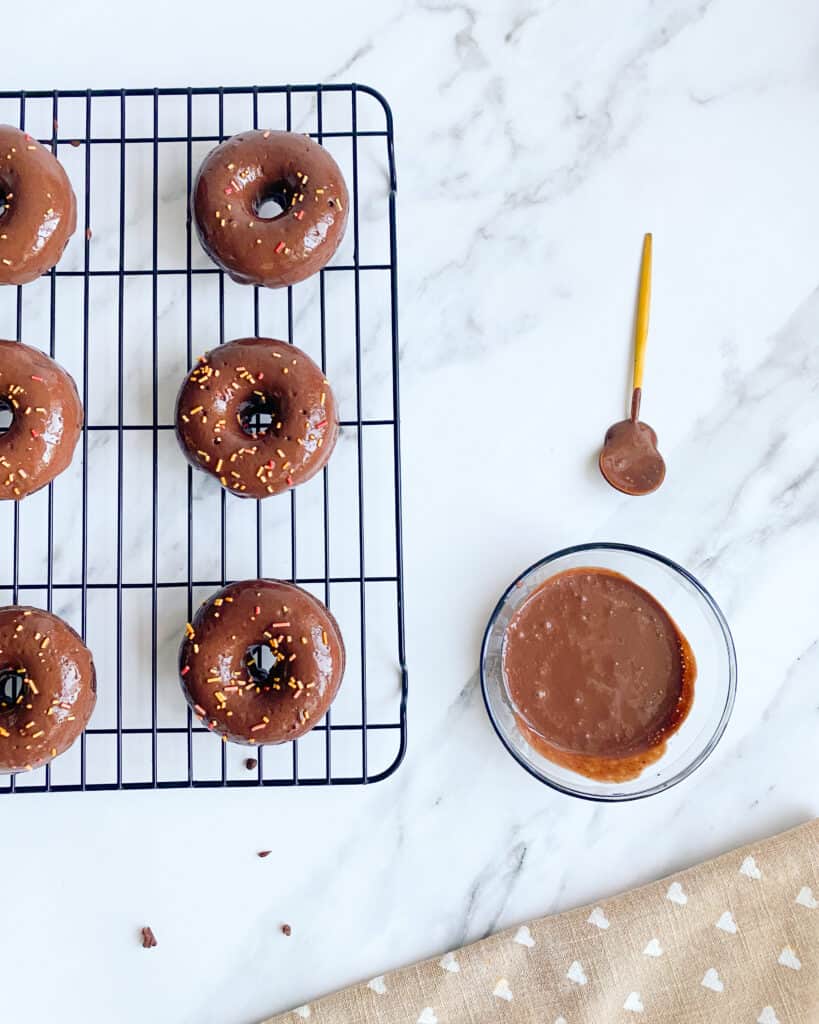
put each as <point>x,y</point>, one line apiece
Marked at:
<point>48,687</point>
<point>221,674</point>
<point>39,207</point>
<point>244,172</point>
<point>47,418</point>
<point>232,386</point>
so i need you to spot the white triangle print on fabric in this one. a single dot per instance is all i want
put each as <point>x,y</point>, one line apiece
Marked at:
<point>377,985</point>
<point>749,868</point>
<point>523,937</point>
<point>676,895</point>
<point>653,948</point>
<point>712,980</point>
<point>449,963</point>
<point>598,919</point>
<point>806,898</point>
<point>427,1016</point>
<point>634,1003</point>
<point>767,1016</point>
<point>727,923</point>
<point>576,973</point>
<point>302,1011</point>
<point>502,990</point>
<point>789,959</point>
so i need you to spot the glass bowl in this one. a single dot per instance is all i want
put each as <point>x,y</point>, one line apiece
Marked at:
<point>701,622</point>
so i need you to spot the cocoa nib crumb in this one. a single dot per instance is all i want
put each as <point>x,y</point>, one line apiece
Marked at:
<point>251,763</point>
<point>286,929</point>
<point>88,233</point>
<point>264,853</point>
<point>75,143</point>
<point>148,938</point>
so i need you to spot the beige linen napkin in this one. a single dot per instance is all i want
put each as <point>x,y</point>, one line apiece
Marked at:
<point>733,940</point>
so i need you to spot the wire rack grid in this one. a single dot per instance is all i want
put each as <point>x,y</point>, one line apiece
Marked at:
<point>126,542</point>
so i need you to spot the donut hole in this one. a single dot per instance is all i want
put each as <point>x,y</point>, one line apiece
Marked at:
<point>274,200</point>
<point>268,667</point>
<point>260,414</point>
<point>12,686</point>
<point>6,416</point>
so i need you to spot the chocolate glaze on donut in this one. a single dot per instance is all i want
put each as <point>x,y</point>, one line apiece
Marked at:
<point>240,175</point>
<point>228,690</point>
<point>40,209</point>
<point>48,691</point>
<point>47,418</point>
<point>217,408</point>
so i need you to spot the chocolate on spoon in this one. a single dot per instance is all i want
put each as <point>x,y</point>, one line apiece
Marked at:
<point>629,460</point>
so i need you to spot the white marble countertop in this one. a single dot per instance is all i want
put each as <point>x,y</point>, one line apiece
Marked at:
<point>536,142</point>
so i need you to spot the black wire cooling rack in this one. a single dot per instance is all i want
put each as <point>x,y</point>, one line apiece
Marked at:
<point>127,542</point>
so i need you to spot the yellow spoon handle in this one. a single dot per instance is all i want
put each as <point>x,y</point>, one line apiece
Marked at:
<point>641,325</point>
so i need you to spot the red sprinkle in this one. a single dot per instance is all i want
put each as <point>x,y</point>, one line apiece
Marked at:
<point>322,424</point>
<point>40,379</point>
<point>290,480</point>
<point>298,214</point>
<point>228,191</point>
<point>259,376</point>
<point>279,247</point>
<point>185,670</point>
<point>34,433</point>
<point>256,610</point>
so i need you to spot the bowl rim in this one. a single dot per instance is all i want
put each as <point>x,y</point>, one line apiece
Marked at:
<point>722,622</point>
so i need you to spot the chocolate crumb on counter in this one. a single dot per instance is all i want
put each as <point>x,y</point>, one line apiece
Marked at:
<point>286,929</point>
<point>75,143</point>
<point>148,938</point>
<point>89,234</point>
<point>264,853</point>
<point>251,763</point>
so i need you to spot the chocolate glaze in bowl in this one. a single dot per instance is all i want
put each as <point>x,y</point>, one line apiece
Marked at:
<point>598,672</point>
<point>692,612</point>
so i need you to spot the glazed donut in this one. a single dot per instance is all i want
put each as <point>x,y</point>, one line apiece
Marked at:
<point>233,384</point>
<point>40,209</point>
<point>227,688</point>
<point>48,690</point>
<point>47,418</point>
<point>240,175</point>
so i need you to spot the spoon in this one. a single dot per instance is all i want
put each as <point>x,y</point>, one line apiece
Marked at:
<point>629,459</point>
